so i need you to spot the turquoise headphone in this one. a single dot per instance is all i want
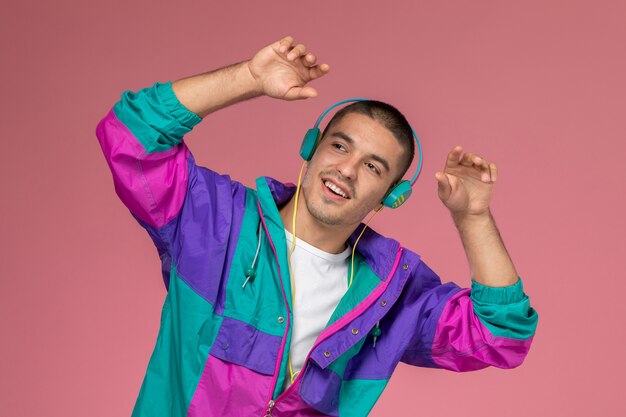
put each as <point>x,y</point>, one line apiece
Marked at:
<point>399,193</point>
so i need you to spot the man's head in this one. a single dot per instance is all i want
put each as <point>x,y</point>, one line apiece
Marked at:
<point>388,116</point>
<point>365,149</point>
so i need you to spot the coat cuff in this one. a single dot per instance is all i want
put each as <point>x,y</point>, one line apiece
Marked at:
<point>510,294</point>
<point>184,116</point>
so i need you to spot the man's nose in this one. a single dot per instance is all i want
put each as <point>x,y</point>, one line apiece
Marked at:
<point>348,168</point>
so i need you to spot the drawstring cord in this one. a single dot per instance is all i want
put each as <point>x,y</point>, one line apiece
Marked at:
<point>376,332</point>
<point>251,272</point>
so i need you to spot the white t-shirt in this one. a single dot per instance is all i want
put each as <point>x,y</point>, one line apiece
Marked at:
<point>321,280</point>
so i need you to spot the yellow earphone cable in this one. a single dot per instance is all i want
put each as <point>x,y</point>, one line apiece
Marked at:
<point>293,375</point>
<point>293,247</point>
<point>357,242</point>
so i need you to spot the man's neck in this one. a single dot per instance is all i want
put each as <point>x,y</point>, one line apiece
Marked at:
<point>331,239</point>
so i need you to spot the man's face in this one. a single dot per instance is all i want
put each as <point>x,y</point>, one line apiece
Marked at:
<point>351,171</point>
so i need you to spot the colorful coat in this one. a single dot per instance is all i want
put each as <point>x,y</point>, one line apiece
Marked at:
<point>222,348</point>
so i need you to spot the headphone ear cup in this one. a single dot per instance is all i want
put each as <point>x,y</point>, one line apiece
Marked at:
<point>309,143</point>
<point>398,194</point>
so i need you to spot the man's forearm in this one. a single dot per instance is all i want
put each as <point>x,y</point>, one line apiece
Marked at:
<point>489,261</point>
<point>210,91</point>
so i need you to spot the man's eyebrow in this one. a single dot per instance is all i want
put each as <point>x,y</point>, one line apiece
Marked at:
<point>375,157</point>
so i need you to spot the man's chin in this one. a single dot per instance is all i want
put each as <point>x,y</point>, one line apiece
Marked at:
<point>327,216</point>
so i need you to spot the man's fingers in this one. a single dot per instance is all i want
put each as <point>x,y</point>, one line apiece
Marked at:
<point>297,51</point>
<point>284,44</point>
<point>468,159</point>
<point>480,163</point>
<point>318,70</point>
<point>472,160</point>
<point>453,157</point>
<point>494,171</point>
<point>309,59</point>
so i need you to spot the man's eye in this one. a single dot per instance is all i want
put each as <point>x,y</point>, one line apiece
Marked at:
<point>373,167</point>
<point>338,146</point>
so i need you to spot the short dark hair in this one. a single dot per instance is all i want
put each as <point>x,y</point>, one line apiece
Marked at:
<point>388,116</point>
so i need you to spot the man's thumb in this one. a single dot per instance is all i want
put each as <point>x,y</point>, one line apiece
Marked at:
<point>443,185</point>
<point>308,92</point>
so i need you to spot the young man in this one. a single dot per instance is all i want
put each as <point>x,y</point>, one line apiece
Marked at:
<point>260,322</point>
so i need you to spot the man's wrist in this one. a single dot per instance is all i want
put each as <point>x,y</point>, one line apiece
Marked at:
<point>465,220</point>
<point>252,83</point>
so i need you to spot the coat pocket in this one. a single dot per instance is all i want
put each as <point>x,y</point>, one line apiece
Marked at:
<point>242,344</point>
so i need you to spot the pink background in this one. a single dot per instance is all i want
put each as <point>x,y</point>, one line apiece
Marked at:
<point>536,86</point>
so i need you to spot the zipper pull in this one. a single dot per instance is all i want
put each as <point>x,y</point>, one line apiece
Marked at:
<point>268,413</point>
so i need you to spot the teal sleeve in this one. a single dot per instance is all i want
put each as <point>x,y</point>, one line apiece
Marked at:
<point>155,116</point>
<point>505,311</point>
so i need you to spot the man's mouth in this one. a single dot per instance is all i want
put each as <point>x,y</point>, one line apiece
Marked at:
<point>335,189</point>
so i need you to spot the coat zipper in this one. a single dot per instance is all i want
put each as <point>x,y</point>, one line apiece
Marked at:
<point>334,328</point>
<point>271,402</point>
<point>323,336</point>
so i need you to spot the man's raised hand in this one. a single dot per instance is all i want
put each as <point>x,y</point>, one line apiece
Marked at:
<point>283,70</point>
<point>466,184</point>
